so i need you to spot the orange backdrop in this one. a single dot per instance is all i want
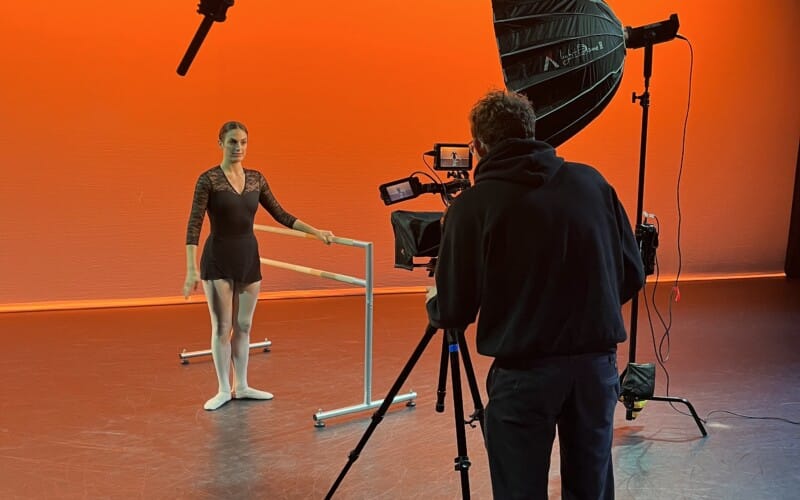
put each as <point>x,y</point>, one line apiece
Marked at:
<point>103,141</point>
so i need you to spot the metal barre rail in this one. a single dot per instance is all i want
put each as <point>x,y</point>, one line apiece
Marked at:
<point>367,284</point>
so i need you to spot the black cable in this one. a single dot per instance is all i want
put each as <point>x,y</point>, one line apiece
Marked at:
<point>780,419</point>
<point>425,161</point>
<point>674,293</point>
<point>683,153</point>
<point>662,347</point>
<point>659,357</point>
<point>667,325</point>
<point>426,174</point>
<point>438,180</point>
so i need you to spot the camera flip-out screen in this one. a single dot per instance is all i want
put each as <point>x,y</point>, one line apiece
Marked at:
<point>400,190</point>
<point>452,157</point>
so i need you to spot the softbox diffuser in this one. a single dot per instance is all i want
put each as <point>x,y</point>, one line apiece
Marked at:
<point>566,56</point>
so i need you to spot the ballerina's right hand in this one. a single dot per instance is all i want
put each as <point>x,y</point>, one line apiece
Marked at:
<point>190,285</point>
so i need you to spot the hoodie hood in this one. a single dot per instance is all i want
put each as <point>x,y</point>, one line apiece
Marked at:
<point>521,161</point>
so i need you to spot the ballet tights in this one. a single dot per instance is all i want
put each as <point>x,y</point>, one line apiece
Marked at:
<point>231,307</point>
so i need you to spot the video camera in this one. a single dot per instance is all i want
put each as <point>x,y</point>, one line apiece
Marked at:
<point>418,234</point>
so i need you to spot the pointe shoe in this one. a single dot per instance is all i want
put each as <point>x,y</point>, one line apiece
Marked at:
<point>250,393</point>
<point>217,401</point>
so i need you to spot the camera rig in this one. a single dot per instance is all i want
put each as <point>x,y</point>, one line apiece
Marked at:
<point>454,158</point>
<point>410,187</point>
<point>418,234</point>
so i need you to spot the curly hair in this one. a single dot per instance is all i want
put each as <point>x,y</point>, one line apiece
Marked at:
<point>502,115</point>
<point>232,125</point>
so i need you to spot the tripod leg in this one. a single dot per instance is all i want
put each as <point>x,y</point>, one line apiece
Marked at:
<point>381,411</point>
<point>441,390</point>
<point>473,384</point>
<point>462,462</point>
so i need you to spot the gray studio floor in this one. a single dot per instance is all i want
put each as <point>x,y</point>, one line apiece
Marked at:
<point>95,404</point>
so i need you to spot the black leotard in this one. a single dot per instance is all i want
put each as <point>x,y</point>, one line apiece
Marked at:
<point>231,250</point>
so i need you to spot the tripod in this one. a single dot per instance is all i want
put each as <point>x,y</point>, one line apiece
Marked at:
<point>453,342</point>
<point>647,240</point>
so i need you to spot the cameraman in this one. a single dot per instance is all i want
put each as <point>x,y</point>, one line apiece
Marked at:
<point>544,250</point>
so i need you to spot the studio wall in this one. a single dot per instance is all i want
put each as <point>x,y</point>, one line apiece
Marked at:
<point>103,141</point>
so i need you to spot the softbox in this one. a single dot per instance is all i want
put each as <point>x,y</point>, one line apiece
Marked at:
<point>416,234</point>
<point>566,56</point>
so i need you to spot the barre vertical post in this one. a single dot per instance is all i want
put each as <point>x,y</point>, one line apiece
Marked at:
<point>368,326</point>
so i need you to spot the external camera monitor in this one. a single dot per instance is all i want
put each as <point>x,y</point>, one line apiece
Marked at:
<point>452,157</point>
<point>400,190</point>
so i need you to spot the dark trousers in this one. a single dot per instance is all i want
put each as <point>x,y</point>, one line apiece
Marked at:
<point>577,394</point>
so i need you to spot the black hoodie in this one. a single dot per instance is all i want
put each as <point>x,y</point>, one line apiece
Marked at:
<point>543,249</point>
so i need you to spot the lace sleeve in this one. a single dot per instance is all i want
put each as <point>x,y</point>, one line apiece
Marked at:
<point>268,201</point>
<point>199,204</point>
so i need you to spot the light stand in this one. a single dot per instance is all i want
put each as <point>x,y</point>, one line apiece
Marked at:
<point>646,37</point>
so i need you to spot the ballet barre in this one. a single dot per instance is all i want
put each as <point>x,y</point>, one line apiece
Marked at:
<point>367,404</point>
<point>184,355</point>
